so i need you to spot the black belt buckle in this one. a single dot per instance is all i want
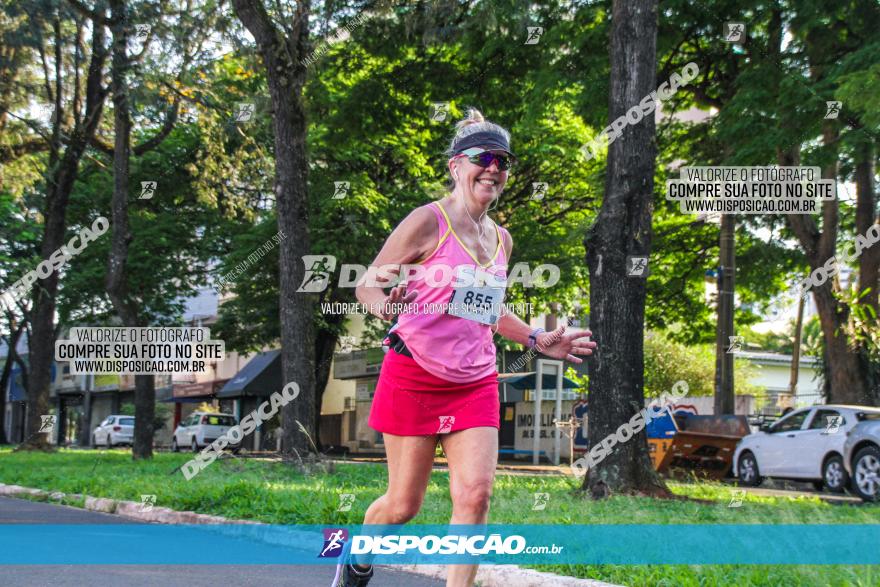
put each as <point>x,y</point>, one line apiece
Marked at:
<point>396,343</point>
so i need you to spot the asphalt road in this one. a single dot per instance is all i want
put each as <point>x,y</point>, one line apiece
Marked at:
<point>18,511</point>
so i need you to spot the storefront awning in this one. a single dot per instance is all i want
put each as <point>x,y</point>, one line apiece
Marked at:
<point>260,377</point>
<point>192,399</point>
<point>528,380</point>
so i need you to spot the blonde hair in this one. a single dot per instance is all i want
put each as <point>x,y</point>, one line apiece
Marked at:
<point>473,122</point>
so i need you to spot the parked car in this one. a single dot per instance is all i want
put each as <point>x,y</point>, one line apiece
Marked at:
<point>201,429</point>
<point>861,457</point>
<point>806,445</point>
<point>114,430</point>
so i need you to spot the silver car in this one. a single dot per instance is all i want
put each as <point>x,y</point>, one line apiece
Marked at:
<point>116,429</point>
<point>201,429</point>
<point>805,445</point>
<point>861,457</point>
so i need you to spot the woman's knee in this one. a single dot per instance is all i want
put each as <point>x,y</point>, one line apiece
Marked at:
<point>472,497</point>
<point>403,509</point>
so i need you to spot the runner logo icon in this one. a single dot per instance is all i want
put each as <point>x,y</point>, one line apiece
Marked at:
<point>334,540</point>
<point>318,270</point>
<point>446,423</point>
<point>535,33</point>
<point>47,423</point>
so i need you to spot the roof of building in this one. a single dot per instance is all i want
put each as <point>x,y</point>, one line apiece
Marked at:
<point>764,357</point>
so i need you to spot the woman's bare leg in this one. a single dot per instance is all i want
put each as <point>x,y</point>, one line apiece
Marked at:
<point>472,455</point>
<point>410,460</point>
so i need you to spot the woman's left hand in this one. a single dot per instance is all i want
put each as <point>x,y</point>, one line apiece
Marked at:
<point>560,344</point>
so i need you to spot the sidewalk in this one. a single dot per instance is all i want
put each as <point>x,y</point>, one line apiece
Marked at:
<point>19,511</point>
<point>487,575</point>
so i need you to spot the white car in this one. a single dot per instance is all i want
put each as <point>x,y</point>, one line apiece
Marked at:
<point>806,445</point>
<point>861,457</point>
<point>201,429</point>
<point>116,429</point>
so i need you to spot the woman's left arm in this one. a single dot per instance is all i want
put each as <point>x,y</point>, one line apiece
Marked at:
<point>558,344</point>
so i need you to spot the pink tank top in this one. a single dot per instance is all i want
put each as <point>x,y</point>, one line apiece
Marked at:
<point>452,348</point>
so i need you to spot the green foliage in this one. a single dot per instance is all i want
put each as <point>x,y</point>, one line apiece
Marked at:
<point>244,321</point>
<point>175,234</point>
<point>860,89</point>
<point>863,333</point>
<point>771,342</point>
<point>19,235</point>
<point>163,412</point>
<point>290,496</point>
<point>766,104</point>
<point>862,326</point>
<point>667,361</point>
<point>369,105</point>
<point>230,487</point>
<point>581,380</point>
<point>207,407</point>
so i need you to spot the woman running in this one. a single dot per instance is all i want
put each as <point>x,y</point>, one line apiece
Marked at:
<point>438,380</point>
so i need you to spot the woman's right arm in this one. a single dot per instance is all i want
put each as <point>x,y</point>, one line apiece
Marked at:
<point>413,239</point>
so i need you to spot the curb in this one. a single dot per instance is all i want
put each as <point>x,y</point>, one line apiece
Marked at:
<point>18,490</point>
<point>487,575</point>
<point>100,504</point>
<point>508,576</point>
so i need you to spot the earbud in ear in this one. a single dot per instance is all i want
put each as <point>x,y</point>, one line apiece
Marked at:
<point>455,173</point>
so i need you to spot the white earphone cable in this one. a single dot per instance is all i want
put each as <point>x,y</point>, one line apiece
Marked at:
<point>479,225</point>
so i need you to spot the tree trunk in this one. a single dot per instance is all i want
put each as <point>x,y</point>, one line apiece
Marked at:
<point>286,75</point>
<point>14,336</point>
<point>116,285</point>
<point>866,203</point>
<point>724,391</point>
<point>617,302</point>
<point>846,374</point>
<point>19,434</point>
<point>845,370</point>
<point>60,180</point>
<point>796,349</point>
<point>869,261</point>
<point>324,347</point>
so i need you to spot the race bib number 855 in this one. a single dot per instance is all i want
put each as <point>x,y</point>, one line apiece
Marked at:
<point>477,295</point>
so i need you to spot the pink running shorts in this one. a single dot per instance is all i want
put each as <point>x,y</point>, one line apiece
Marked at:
<point>409,401</point>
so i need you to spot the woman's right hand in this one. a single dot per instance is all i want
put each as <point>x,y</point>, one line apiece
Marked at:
<point>391,305</point>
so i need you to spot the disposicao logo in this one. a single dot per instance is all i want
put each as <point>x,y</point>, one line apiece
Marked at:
<point>334,540</point>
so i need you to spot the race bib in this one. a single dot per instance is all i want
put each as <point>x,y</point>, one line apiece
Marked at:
<point>477,295</point>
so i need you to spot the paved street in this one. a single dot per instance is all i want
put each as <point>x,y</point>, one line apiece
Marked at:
<point>17,511</point>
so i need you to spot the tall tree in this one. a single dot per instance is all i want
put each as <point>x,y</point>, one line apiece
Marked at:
<point>19,235</point>
<point>73,126</point>
<point>128,307</point>
<point>825,44</point>
<point>623,228</point>
<point>283,46</point>
<point>11,342</point>
<point>770,92</point>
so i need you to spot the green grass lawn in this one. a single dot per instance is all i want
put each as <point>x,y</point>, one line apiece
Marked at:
<point>275,493</point>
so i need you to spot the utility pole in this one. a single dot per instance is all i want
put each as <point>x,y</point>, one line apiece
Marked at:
<point>724,398</point>
<point>796,351</point>
<point>85,436</point>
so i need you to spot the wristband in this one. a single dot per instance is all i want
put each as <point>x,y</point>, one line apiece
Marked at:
<point>533,337</point>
